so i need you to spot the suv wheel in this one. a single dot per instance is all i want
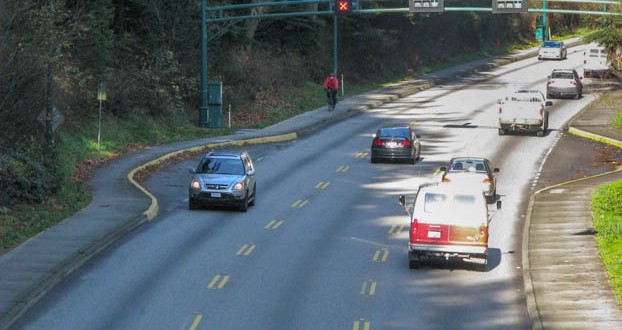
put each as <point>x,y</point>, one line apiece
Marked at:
<point>244,204</point>
<point>192,204</point>
<point>252,202</point>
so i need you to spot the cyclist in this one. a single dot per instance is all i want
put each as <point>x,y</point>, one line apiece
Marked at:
<point>331,85</point>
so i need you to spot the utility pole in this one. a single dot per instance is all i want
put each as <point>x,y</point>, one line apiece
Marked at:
<point>49,131</point>
<point>203,119</point>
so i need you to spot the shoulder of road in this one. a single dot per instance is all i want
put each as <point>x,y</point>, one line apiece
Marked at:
<point>120,204</point>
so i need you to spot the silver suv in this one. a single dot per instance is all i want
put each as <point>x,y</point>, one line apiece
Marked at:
<point>223,178</point>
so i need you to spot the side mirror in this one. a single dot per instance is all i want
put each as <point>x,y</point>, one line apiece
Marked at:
<point>498,205</point>
<point>250,172</point>
<point>495,170</point>
<point>443,169</point>
<point>500,101</point>
<point>402,200</point>
<point>192,170</point>
<point>549,103</point>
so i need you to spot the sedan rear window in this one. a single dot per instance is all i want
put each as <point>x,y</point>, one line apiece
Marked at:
<point>393,132</point>
<point>562,75</point>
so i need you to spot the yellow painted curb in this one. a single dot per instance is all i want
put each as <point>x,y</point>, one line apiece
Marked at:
<point>595,137</point>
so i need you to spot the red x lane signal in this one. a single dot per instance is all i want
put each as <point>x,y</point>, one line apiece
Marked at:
<point>343,6</point>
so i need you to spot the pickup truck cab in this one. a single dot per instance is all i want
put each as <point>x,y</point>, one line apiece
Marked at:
<point>524,111</point>
<point>447,221</point>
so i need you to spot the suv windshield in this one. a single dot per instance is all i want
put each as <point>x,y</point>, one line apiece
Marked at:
<point>551,44</point>
<point>221,166</point>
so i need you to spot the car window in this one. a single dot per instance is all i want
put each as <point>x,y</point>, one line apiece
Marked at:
<point>434,202</point>
<point>562,75</point>
<point>221,166</point>
<point>549,44</point>
<point>394,132</point>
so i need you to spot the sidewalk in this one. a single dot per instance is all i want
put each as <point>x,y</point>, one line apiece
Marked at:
<point>566,283</point>
<point>120,205</point>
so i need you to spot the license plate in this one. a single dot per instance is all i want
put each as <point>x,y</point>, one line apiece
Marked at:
<point>434,234</point>
<point>391,144</point>
<point>216,195</point>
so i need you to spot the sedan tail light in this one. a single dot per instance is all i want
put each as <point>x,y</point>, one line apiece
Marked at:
<point>406,143</point>
<point>378,142</point>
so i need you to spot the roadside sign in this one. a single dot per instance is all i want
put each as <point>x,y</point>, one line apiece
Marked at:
<point>54,117</point>
<point>509,6</point>
<point>426,6</point>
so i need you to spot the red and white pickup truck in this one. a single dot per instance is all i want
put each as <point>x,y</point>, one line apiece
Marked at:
<point>448,220</point>
<point>524,111</point>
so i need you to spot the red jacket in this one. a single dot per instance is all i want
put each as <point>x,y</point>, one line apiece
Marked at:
<point>331,82</point>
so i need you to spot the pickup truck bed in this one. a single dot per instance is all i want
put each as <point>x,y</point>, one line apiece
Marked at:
<point>523,116</point>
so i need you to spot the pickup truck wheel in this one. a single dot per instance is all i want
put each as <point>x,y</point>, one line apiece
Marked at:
<point>540,133</point>
<point>501,131</point>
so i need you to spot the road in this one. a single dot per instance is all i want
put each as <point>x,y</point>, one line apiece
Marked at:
<point>325,245</point>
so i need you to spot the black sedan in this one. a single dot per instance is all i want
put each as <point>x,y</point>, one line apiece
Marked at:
<point>395,142</point>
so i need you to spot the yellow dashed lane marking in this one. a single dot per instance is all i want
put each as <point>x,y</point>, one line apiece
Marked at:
<point>396,229</point>
<point>361,322</point>
<point>368,288</point>
<point>362,154</point>
<point>246,249</point>
<point>218,282</point>
<point>274,224</point>
<point>343,168</point>
<point>196,322</point>
<point>322,185</point>
<point>381,255</point>
<point>300,203</point>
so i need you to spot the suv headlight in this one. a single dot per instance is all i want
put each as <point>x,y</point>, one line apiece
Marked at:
<point>238,186</point>
<point>195,184</point>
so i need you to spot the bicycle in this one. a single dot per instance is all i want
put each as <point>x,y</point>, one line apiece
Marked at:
<point>331,96</point>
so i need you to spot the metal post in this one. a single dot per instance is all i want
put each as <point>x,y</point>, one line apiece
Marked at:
<point>203,117</point>
<point>335,49</point>
<point>545,33</point>
<point>49,137</point>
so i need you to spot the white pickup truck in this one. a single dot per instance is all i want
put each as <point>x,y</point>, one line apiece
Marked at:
<point>524,111</point>
<point>595,62</point>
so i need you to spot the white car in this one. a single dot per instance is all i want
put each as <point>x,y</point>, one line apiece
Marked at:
<point>473,171</point>
<point>552,50</point>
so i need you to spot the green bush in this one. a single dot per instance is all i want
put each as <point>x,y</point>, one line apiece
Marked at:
<point>23,178</point>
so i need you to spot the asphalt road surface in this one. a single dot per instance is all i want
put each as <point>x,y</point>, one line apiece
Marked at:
<point>325,245</point>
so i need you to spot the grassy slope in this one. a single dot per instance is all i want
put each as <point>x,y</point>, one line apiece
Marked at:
<point>607,212</point>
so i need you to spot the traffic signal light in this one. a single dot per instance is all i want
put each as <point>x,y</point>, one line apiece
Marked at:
<point>342,6</point>
<point>509,6</point>
<point>426,6</point>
